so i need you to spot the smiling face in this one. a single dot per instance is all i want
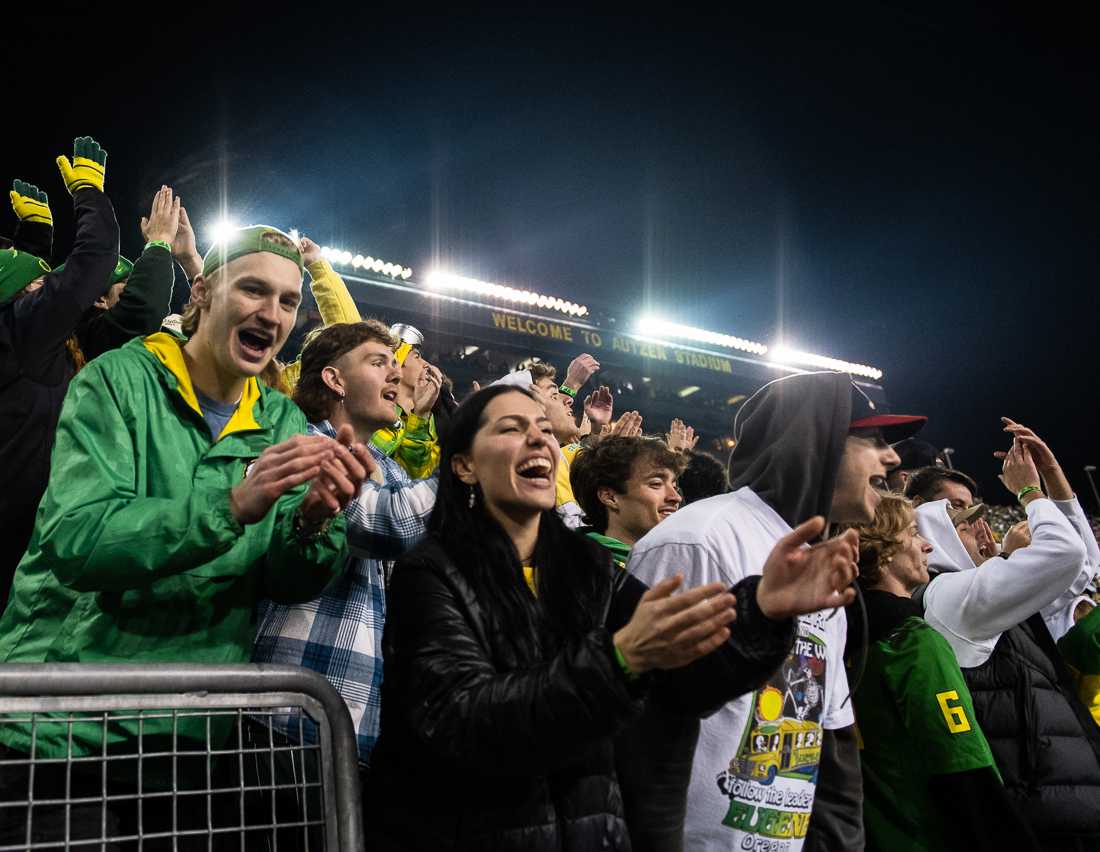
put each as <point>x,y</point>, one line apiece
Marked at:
<point>650,497</point>
<point>909,565</point>
<point>248,308</point>
<point>367,377</point>
<point>861,476</point>
<point>513,457</point>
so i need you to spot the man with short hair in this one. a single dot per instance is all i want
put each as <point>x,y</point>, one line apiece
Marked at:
<point>626,486</point>
<point>544,384</point>
<point>779,767</point>
<point>183,492</point>
<point>349,381</point>
<point>703,477</point>
<point>928,484</point>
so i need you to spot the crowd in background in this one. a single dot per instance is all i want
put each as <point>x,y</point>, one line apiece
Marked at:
<point>555,626</point>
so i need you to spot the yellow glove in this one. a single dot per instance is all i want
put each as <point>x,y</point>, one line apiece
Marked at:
<point>87,167</point>
<point>30,203</point>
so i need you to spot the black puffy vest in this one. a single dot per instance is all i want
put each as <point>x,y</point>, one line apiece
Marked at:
<point>1046,744</point>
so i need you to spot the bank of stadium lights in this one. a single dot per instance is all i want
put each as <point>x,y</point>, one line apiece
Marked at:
<point>438,280</point>
<point>653,326</point>
<point>785,355</point>
<point>367,263</point>
<point>221,230</point>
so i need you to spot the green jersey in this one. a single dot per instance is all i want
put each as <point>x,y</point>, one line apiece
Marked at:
<point>916,721</point>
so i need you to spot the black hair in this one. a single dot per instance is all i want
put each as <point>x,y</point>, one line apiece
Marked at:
<point>570,571</point>
<point>703,477</point>
<point>924,482</point>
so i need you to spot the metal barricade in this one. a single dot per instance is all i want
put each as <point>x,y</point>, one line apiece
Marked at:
<point>183,759</point>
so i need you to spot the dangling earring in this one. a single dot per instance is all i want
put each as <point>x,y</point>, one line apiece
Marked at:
<point>341,399</point>
<point>473,497</point>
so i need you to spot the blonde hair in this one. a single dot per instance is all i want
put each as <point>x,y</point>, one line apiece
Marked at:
<point>879,541</point>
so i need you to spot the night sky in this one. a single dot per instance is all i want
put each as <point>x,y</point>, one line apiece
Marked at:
<point>916,190</point>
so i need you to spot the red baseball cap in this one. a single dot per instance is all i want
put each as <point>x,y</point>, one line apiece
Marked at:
<point>866,414</point>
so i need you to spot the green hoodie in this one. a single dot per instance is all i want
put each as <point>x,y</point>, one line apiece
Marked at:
<point>136,556</point>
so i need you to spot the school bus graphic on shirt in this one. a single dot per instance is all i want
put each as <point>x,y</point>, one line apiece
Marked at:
<point>770,778</point>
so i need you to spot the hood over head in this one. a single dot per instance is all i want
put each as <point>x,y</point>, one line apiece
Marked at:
<point>935,525</point>
<point>790,437</point>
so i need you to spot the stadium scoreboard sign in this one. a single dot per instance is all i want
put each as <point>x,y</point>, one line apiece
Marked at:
<point>592,340</point>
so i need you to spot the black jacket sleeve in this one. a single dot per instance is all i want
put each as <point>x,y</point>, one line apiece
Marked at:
<point>980,814</point>
<point>139,310</point>
<point>34,238</point>
<point>42,320</point>
<point>836,822</point>
<point>459,703</point>
<point>755,649</point>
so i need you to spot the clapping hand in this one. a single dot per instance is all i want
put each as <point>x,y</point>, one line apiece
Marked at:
<point>163,222</point>
<point>681,437</point>
<point>799,579</point>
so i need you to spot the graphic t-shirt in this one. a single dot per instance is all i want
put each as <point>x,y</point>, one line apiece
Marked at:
<point>916,720</point>
<point>755,768</point>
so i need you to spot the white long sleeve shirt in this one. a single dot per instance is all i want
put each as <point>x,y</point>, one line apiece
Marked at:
<point>972,606</point>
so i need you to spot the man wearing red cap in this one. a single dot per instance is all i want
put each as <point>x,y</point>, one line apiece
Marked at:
<point>778,768</point>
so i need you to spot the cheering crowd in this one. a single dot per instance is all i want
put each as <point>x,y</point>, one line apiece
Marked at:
<point>552,629</point>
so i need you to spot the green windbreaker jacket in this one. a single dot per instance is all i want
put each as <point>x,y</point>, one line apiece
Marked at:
<point>136,556</point>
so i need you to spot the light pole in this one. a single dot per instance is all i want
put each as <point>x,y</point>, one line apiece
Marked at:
<point>1089,469</point>
<point>947,451</point>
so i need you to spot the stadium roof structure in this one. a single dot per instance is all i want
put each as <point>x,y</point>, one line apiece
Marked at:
<point>478,331</point>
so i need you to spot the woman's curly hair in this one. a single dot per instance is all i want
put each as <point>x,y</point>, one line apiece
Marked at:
<point>880,541</point>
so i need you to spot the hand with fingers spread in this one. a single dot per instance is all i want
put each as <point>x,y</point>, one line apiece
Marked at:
<point>1019,471</point>
<point>340,477</point>
<point>599,406</point>
<point>681,437</point>
<point>668,631</point>
<point>427,390</point>
<point>311,252</point>
<point>1045,462</point>
<point>799,579</point>
<point>184,248</point>
<point>163,221</point>
<point>581,369</point>
<point>30,203</point>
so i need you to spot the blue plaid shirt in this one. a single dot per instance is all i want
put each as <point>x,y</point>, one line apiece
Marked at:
<point>340,633</point>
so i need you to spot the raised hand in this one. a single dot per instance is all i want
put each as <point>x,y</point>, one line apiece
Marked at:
<point>1019,470</point>
<point>600,406</point>
<point>681,437</point>
<point>669,631</point>
<point>311,252</point>
<point>426,391</point>
<point>184,248</point>
<point>1019,535</point>
<point>163,222</point>
<point>799,579</point>
<point>586,426</point>
<point>628,426</point>
<point>88,167</point>
<point>279,468</point>
<point>30,203</point>
<point>581,369</point>
<point>1045,462</point>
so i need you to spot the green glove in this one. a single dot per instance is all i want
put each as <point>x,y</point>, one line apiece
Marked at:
<point>87,167</point>
<point>30,203</point>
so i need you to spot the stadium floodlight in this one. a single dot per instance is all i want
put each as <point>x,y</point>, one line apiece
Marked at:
<point>684,393</point>
<point>655,327</point>
<point>221,230</point>
<point>342,257</point>
<point>782,354</point>
<point>440,280</point>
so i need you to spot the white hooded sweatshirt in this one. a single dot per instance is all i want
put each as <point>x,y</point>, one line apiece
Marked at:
<point>971,606</point>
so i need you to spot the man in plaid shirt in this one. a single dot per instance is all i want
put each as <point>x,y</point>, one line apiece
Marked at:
<point>349,375</point>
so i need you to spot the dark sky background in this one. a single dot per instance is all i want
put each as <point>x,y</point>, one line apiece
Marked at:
<point>915,190</point>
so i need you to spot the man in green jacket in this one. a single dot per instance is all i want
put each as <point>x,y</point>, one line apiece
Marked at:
<point>182,490</point>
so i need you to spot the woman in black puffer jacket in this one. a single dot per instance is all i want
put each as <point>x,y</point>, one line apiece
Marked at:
<point>513,652</point>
